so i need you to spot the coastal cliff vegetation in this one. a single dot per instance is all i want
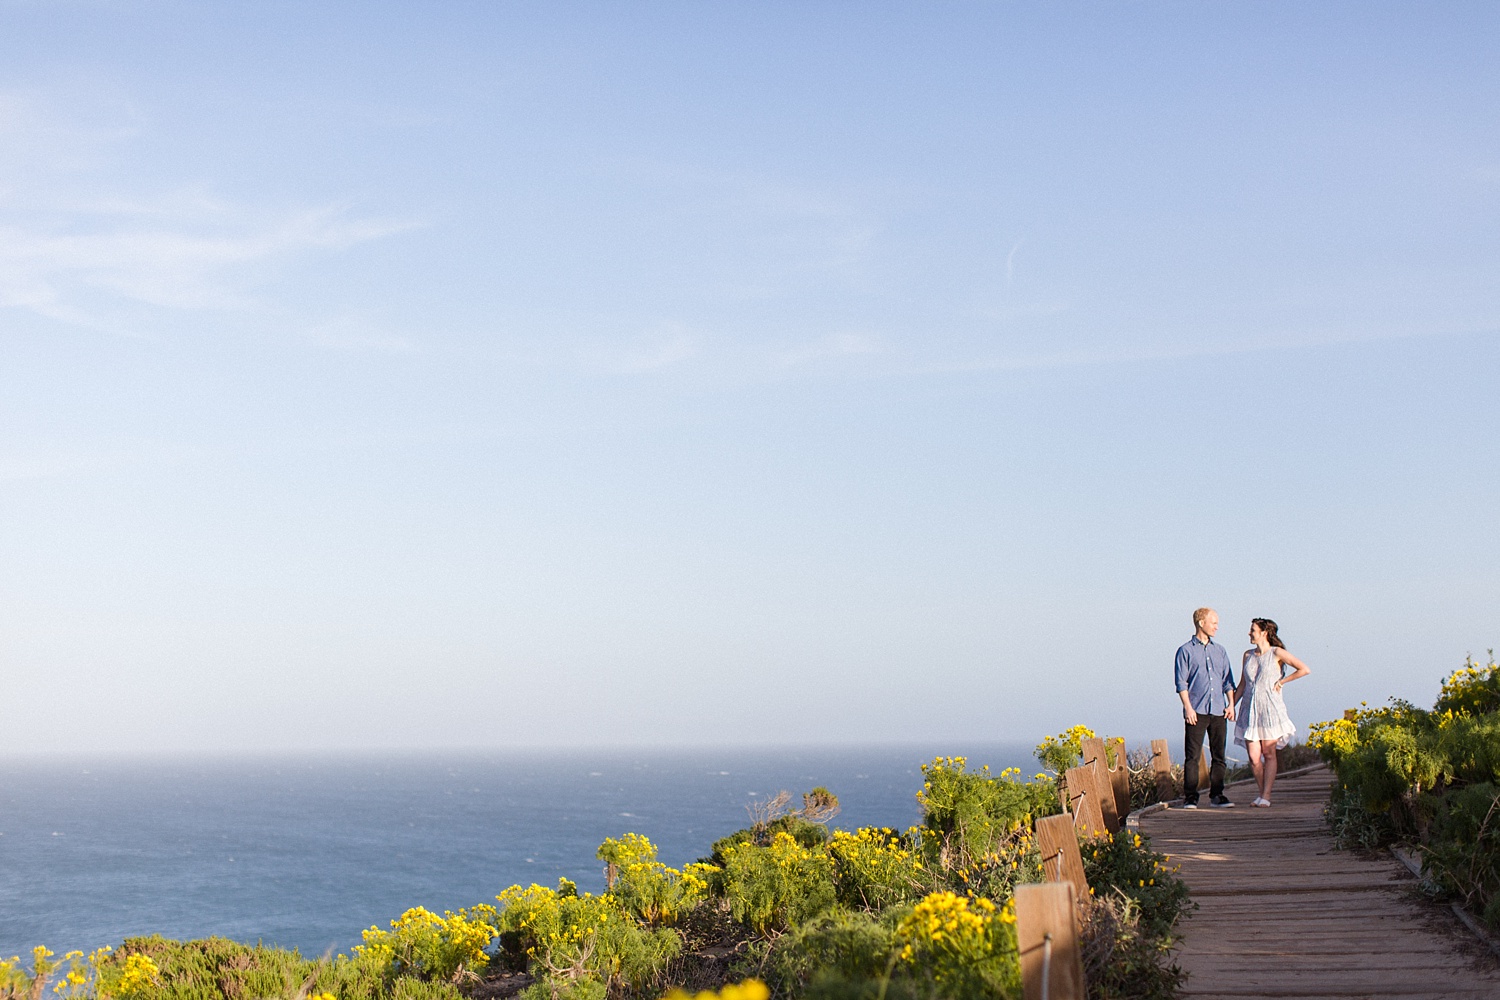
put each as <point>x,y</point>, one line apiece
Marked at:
<point>1428,779</point>
<point>785,907</point>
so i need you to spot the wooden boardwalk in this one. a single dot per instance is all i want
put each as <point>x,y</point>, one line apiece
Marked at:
<point>1282,914</point>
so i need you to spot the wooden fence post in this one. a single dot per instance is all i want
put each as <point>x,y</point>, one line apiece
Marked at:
<point>1119,777</point>
<point>1094,754</point>
<point>1061,860</point>
<point>1161,766</point>
<point>1047,938</point>
<point>1084,802</point>
<point>1203,765</point>
<point>1093,749</point>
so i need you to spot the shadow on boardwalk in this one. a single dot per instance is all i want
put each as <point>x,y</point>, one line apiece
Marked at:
<point>1283,914</point>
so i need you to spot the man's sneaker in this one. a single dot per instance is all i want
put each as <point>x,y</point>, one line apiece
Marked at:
<point>1221,802</point>
<point>1190,805</point>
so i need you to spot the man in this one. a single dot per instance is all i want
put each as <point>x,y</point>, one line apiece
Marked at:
<point>1205,683</point>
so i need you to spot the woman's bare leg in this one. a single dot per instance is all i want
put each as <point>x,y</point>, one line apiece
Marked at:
<point>1268,767</point>
<point>1252,747</point>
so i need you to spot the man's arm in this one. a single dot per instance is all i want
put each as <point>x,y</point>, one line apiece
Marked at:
<point>1231,691</point>
<point>1180,676</point>
<point>1187,709</point>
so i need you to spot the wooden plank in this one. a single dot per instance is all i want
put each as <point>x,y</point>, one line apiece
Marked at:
<point>1282,914</point>
<point>1061,860</point>
<point>1047,939</point>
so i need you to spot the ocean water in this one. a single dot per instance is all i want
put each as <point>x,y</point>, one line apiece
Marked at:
<point>307,851</point>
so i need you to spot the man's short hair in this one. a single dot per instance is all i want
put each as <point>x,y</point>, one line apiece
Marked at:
<point>1201,614</point>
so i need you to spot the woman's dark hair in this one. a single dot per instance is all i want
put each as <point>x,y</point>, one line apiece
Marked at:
<point>1267,626</point>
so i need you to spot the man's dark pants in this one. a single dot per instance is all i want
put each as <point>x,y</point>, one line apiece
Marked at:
<point>1192,749</point>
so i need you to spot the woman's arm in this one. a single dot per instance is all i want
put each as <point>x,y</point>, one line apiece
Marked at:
<point>1299,668</point>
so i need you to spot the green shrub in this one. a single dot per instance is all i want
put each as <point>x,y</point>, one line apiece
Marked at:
<point>155,968</point>
<point>1016,860</point>
<point>1463,852</point>
<point>967,816</point>
<point>565,989</point>
<point>773,887</point>
<point>1126,864</point>
<point>835,950</point>
<point>570,937</point>
<point>1353,824</point>
<point>1122,960</point>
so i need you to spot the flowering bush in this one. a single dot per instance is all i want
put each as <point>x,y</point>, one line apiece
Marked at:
<point>138,978</point>
<point>770,888</point>
<point>647,888</point>
<point>1064,750</point>
<point>1472,689</point>
<point>421,943</point>
<point>155,968</point>
<point>876,868</point>
<point>1015,860</point>
<point>571,937</point>
<point>966,944</point>
<point>79,975</point>
<point>750,989</point>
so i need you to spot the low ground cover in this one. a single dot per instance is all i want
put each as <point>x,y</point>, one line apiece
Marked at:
<point>1427,778</point>
<point>785,906</point>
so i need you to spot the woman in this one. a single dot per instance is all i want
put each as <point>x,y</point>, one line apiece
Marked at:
<point>1262,725</point>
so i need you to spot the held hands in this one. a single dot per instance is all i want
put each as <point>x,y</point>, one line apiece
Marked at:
<point>1229,713</point>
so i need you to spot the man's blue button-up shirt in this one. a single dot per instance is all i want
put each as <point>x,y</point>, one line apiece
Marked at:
<point>1203,671</point>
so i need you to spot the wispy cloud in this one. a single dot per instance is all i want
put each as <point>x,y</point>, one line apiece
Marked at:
<point>671,345</point>
<point>1107,355</point>
<point>838,345</point>
<point>356,335</point>
<point>80,258</point>
<point>159,256</point>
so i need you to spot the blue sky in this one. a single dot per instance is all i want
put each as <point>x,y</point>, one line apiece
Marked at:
<point>380,375</point>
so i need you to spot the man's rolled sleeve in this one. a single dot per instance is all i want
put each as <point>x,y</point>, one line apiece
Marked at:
<point>1180,669</point>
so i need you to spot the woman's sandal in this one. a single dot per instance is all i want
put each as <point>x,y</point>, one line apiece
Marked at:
<point>1263,803</point>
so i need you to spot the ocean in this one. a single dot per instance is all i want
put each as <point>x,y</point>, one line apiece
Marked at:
<point>307,851</point>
